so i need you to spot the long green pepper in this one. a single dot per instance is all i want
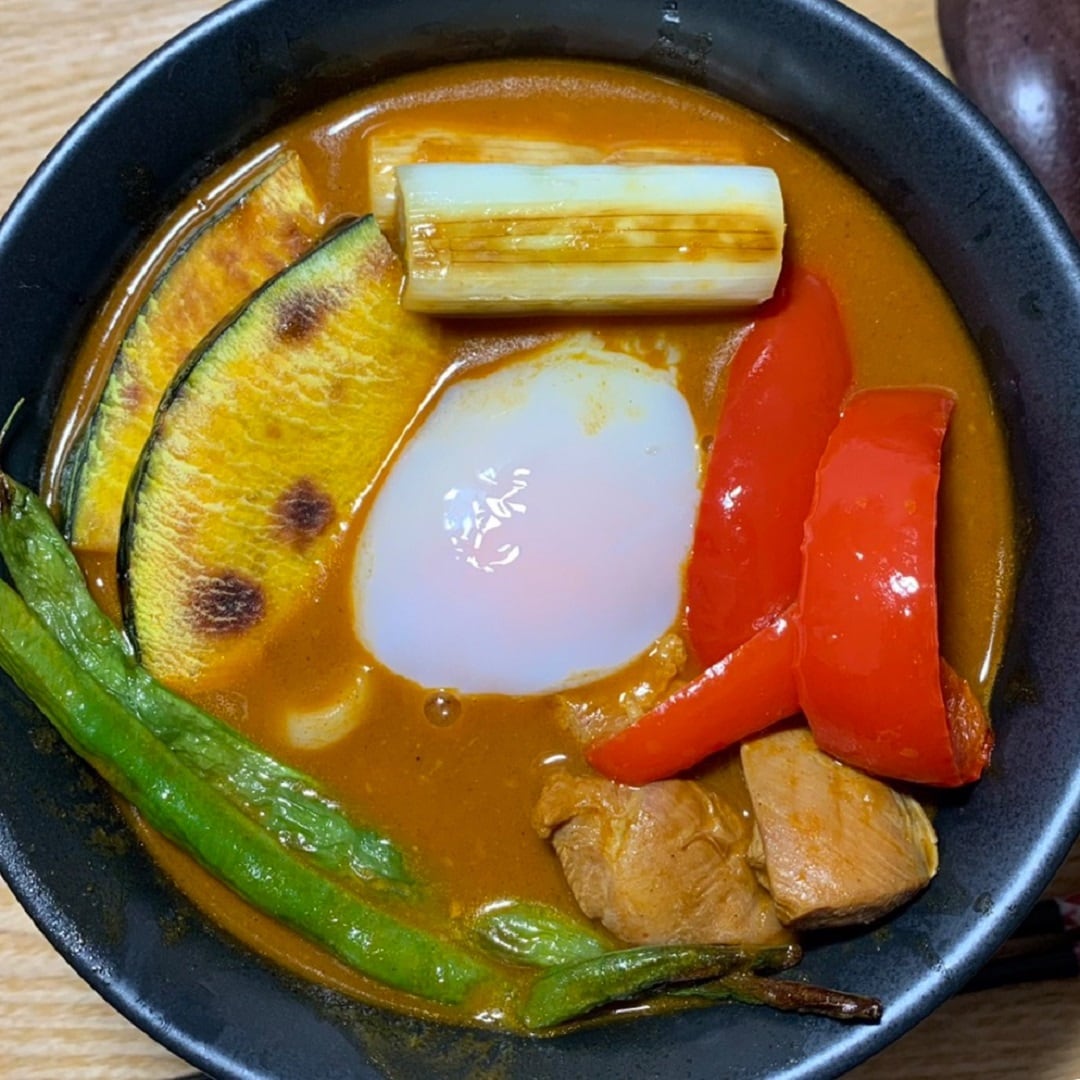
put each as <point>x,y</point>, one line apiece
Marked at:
<point>286,802</point>
<point>185,808</point>
<point>570,990</point>
<point>526,932</point>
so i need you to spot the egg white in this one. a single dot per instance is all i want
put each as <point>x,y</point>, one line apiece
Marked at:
<point>533,533</point>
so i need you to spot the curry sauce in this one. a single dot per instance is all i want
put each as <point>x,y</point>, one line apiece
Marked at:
<point>456,787</point>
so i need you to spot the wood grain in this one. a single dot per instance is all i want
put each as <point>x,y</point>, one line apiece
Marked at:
<point>57,57</point>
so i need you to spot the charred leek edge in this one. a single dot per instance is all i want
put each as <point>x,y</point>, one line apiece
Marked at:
<point>192,813</point>
<point>530,933</point>
<point>390,147</point>
<point>514,239</point>
<point>285,802</point>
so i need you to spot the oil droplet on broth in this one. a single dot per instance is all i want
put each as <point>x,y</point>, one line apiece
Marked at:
<point>442,709</point>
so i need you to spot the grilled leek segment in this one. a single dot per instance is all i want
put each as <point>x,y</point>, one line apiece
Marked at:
<point>514,239</point>
<point>390,147</point>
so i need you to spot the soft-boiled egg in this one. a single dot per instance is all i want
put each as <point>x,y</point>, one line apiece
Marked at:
<point>532,534</point>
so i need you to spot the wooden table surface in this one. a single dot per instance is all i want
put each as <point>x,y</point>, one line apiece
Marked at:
<point>56,58</point>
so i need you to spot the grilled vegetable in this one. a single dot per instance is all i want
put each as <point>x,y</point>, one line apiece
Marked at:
<point>525,932</point>
<point>530,933</point>
<point>263,450</point>
<point>572,990</point>
<point>509,239</point>
<point>389,147</point>
<point>287,803</point>
<point>267,227</point>
<point>746,692</point>
<point>786,995</point>
<point>188,810</point>
<point>788,379</point>
<point>870,676</point>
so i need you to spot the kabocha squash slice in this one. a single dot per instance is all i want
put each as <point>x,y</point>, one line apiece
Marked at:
<point>265,228</point>
<point>262,450</point>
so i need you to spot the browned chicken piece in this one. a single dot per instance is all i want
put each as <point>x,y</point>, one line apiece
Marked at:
<point>833,845</point>
<point>604,708</point>
<point>664,863</point>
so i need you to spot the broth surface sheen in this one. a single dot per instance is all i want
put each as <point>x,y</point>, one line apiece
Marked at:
<point>458,795</point>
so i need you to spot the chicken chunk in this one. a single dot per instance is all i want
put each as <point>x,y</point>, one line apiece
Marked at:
<point>833,845</point>
<point>664,863</point>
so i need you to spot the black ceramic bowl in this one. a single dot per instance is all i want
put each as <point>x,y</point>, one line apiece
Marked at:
<point>984,227</point>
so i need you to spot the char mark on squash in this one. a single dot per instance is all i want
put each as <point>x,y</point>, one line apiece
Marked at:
<point>302,313</point>
<point>302,513</point>
<point>225,603</point>
<point>132,391</point>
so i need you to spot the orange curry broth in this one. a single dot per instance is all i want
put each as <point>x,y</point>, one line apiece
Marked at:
<point>458,797</point>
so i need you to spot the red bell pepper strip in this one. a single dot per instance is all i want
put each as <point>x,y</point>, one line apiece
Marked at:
<point>741,695</point>
<point>787,381</point>
<point>868,667</point>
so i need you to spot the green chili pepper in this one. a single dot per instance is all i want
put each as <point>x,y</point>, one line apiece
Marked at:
<point>570,990</point>
<point>184,807</point>
<point>286,802</point>
<point>531,933</point>
<point>535,934</point>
